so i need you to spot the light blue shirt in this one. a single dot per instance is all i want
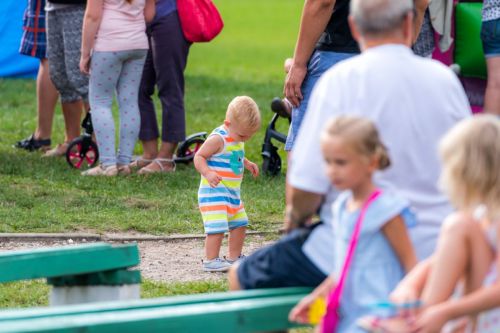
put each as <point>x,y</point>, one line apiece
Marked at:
<point>375,269</point>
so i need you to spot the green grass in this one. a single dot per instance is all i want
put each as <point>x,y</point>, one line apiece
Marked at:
<point>45,195</point>
<point>36,293</point>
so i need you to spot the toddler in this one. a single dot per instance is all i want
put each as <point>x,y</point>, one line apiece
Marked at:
<point>220,161</point>
<point>353,151</point>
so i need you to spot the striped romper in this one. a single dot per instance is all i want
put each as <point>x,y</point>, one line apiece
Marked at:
<point>221,207</point>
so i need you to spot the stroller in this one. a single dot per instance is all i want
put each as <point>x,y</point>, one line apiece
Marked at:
<point>83,151</point>
<point>271,160</point>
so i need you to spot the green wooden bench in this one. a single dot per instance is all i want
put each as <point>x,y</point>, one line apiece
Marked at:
<point>78,273</point>
<point>242,311</point>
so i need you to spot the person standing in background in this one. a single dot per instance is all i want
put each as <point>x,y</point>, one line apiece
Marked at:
<point>64,36</point>
<point>490,36</point>
<point>34,44</point>
<point>164,67</point>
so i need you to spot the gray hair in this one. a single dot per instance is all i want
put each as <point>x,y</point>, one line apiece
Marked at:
<point>375,17</point>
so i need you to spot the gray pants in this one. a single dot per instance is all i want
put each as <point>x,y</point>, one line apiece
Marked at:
<point>64,39</point>
<point>122,71</point>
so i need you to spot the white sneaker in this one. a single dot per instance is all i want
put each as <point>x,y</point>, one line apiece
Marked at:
<point>216,265</point>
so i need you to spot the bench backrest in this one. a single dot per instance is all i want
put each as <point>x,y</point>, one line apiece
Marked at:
<point>66,261</point>
<point>244,311</point>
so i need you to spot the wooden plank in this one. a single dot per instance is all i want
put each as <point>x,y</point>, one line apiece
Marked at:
<point>63,261</point>
<point>31,313</point>
<point>249,315</point>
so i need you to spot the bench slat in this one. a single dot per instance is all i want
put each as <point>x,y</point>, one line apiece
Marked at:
<point>152,303</point>
<point>248,315</point>
<point>64,261</point>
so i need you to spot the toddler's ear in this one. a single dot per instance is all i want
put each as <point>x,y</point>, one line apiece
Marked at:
<point>227,122</point>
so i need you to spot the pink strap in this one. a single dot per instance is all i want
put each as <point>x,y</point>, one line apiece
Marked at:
<point>329,321</point>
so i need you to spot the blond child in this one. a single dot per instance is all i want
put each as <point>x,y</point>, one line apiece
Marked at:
<point>353,152</point>
<point>468,245</point>
<point>221,162</point>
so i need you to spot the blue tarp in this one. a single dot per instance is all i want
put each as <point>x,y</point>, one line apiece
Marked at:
<point>13,64</point>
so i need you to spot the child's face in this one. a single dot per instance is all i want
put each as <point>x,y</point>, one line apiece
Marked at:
<point>346,168</point>
<point>239,132</point>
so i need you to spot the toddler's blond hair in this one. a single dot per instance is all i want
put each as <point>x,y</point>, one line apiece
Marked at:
<point>361,134</point>
<point>470,153</point>
<point>244,111</point>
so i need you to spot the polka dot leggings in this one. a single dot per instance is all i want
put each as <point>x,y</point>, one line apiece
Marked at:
<point>120,71</point>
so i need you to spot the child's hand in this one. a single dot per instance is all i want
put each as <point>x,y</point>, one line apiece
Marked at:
<point>432,319</point>
<point>85,64</point>
<point>300,312</point>
<point>213,178</point>
<point>252,167</point>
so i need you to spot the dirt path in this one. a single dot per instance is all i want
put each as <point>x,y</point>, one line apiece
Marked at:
<point>166,261</point>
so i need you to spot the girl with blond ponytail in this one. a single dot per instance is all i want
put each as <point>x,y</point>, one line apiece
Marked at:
<point>383,253</point>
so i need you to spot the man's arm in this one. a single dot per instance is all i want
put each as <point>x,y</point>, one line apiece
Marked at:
<point>304,205</point>
<point>420,8</point>
<point>315,17</point>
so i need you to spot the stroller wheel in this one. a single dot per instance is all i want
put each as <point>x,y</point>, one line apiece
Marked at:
<point>82,151</point>
<point>187,149</point>
<point>271,164</point>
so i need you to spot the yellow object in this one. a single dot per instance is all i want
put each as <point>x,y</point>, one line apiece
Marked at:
<point>317,311</point>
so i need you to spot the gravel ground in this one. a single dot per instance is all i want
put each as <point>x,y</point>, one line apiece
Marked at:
<point>165,261</point>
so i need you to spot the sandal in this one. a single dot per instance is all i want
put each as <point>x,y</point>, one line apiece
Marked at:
<point>32,144</point>
<point>57,151</point>
<point>101,170</point>
<point>124,170</point>
<point>139,163</point>
<point>157,166</point>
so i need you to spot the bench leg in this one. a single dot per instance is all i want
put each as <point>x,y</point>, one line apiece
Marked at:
<point>88,294</point>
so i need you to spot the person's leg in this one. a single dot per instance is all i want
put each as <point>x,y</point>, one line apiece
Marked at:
<point>235,243</point>
<point>70,100</point>
<point>462,252</point>
<point>47,96</point>
<point>492,95</point>
<point>490,37</point>
<point>282,264</point>
<point>213,244</point>
<point>170,51</point>
<point>127,95</point>
<point>105,68</point>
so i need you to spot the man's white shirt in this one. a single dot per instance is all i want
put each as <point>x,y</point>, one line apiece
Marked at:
<point>413,101</point>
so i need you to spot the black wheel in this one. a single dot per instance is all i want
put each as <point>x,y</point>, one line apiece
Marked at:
<point>187,149</point>
<point>82,152</point>
<point>271,165</point>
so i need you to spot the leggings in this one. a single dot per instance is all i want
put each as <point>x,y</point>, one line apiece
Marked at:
<point>122,71</point>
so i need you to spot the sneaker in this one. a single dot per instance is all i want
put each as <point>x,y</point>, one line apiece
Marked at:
<point>216,265</point>
<point>241,257</point>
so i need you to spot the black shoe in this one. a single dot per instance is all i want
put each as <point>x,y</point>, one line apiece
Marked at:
<point>278,105</point>
<point>32,144</point>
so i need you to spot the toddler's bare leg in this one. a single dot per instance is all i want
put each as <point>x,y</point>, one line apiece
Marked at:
<point>212,245</point>
<point>236,239</point>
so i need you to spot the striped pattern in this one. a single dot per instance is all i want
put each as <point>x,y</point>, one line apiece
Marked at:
<point>221,207</point>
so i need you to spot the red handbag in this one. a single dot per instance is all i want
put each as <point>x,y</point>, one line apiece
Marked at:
<point>200,20</point>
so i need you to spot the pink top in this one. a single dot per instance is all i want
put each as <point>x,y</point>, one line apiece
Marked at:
<point>123,26</point>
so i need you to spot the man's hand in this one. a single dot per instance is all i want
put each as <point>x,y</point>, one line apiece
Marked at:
<point>293,83</point>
